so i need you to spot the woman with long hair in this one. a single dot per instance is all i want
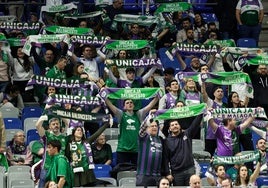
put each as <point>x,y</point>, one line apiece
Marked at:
<point>243,178</point>
<point>79,153</point>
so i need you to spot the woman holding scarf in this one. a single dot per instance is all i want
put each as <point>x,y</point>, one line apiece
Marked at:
<point>79,153</point>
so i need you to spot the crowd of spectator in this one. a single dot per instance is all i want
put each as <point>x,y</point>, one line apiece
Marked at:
<point>160,149</point>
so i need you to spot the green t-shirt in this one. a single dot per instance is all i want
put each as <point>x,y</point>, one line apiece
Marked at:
<point>51,136</point>
<point>60,167</point>
<point>129,130</point>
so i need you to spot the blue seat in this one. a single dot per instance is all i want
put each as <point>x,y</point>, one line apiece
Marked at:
<point>201,6</point>
<point>31,111</point>
<point>102,170</point>
<point>131,6</point>
<point>114,159</point>
<point>209,17</point>
<point>32,134</point>
<point>262,180</point>
<point>204,167</point>
<point>246,42</point>
<point>13,123</point>
<point>166,62</point>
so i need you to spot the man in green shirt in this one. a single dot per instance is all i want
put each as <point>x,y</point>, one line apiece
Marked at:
<point>59,171</point>
<point>53,133</point>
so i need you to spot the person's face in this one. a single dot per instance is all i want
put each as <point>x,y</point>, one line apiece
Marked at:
<point>101,139</point>
<point>83,24</point>
<point>190,83</point>
<point>164,183</point>
<point>52,184</point>
<point>49,56</point>
<point>135,29</point>
<point>19,138</point>
<point>152,129</point>
<point>128,105</point>
<point>262,70</point>
<point>34,18</point>
<point>62,64</point>
<point>218,94</point>
<point>122,54</point>
<point>78,133</point>
<point>51,150</point>
<point>15,94</point>
<point>195,182</point>
<point>195,63</point>
<point>204,69</point>
<point>174,86</point>
<point>197,18</point>
<point>220,172</point>
<point>213,36</point>
<point>20,54</point>
<point>54,126</point>
<point>226,184</point>
<point>51,90</point>
<point>243,172</point>
<point>261,145</point>
<point>130,75</point>
<point>118,4</point>
<point>232,123</point>
<point>190,34</point>
<point>80,69</point>
<point>174,127</point>
<point>186,24</point>
<point>179,105</point>
<point>168,77</point>
<point>88,53</point>
<point>235,98</point>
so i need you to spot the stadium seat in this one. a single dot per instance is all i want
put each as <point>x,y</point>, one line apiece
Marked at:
<point>201,6</point>
<point>31,111</point>
<point>166,62</point>
<point>18,173</point>
<point>204,167</point>
<point>27,183</point>
<point>198,145</point>
<point>127,182</point>
<point>113,144</point>
<point>125,174</point>
<point>2,177</point>
<point>10,134</point>
<point>111,133</point>
<point>112,181</point>
<point>32,135</point>
<point>246,42</point>
<point>102,170</point>
<point>13,123</point>
<point>209,17</point>
<point>114,159</point>
<point>131,6</point>
<point>11,112</point>
<point>262,180</point>
<point>29,123</point>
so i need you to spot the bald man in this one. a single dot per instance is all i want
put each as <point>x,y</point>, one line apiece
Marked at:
<point>195,181</point>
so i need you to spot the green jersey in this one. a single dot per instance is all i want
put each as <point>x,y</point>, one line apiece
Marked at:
<point>129,130</point>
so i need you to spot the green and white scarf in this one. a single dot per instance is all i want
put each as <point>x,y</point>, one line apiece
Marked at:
<point>69,30</point>
<point>178,113</point>
<point>126,44</point>
<point>44,39</point>
<point>244,158</point>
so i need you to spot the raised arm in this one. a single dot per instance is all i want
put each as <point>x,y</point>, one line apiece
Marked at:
<point>256,172</point>
<point>148,74</point>
<point>212,124</point>
<point>246,123</point>
<point>39,125</point>
<point>181,61</point>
